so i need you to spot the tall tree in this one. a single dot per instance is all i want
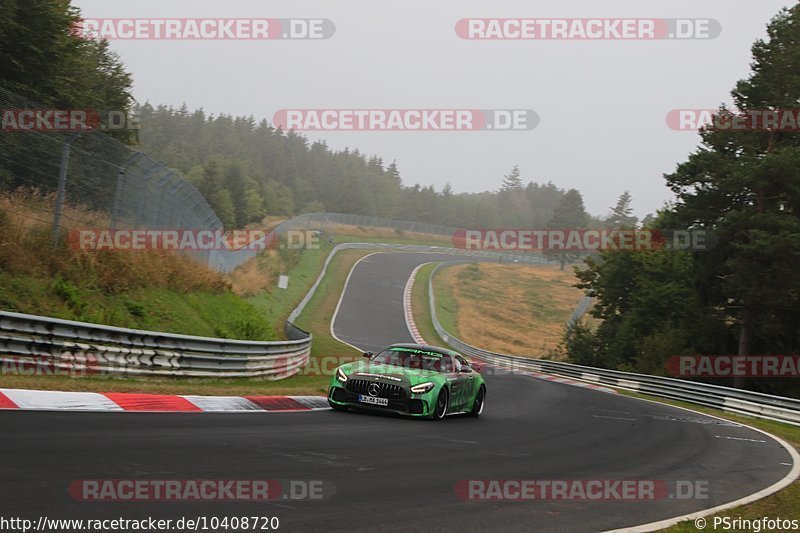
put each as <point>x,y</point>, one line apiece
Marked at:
<point>743,295</point>
<point>746,186</point>
<point>512,200</point>
<point>43,60</point>
<point>512,181</point>
<point>570,214</point>
<point>622,213</point>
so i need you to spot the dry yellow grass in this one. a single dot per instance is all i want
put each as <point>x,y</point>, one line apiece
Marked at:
<point>25,249</point>
<point>387,233</point>
<point>258,274</point>
<point>519,310</point>
<point>367,232</point>
<point>261,273</point>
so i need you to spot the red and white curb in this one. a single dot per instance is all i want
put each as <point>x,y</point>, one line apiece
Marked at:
<point>39,400</point>
<point>412,328</point>
<point>567,381</point>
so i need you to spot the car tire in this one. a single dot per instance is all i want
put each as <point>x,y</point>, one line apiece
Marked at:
<point>440,410</point>
<point>337,407</point>
<point>480,401</point>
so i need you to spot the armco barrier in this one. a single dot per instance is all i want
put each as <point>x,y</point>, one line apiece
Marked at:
<point>728,399</point>
<point>29,342</point>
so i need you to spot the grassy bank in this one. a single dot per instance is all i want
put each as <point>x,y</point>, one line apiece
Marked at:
<point>274,303</point>
<point>326,354</point>
<point>144,289</point>
<point>206,313</point>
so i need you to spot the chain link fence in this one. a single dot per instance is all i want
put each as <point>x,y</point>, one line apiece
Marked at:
<point>72,179</point>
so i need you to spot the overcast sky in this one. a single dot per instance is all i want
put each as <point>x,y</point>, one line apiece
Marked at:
<point>602,104</point>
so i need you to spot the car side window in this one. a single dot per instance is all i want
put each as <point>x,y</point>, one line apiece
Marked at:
<point>460,362</point>
<point>447,363</point>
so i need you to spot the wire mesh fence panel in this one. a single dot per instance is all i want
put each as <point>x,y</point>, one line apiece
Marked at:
<point>104,183</point>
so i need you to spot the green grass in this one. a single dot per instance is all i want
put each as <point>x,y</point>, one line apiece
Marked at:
<point>212,314</point>
<point>446,305</point>
<point>421,307</point>
<point>277,304</point>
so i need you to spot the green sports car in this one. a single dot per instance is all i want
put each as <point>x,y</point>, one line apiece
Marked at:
<point>411,379</point>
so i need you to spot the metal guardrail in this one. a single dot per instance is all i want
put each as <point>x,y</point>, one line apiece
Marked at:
<point>36,342</point>
<point>580,310</point>
<point>739,401</point>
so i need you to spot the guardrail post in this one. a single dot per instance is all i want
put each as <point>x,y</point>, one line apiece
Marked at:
<point>117,204</point>
<point>62,186</point>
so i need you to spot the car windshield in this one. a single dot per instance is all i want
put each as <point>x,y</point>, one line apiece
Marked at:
<point>414,358</point>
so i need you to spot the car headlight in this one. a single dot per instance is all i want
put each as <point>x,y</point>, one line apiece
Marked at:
<point>340,375</point>
<point>422,388</point>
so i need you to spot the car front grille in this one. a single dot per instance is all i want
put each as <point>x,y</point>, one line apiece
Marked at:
<point>388,390</point>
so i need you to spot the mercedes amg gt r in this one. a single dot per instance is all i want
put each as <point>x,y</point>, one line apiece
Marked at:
<point>410,379</point>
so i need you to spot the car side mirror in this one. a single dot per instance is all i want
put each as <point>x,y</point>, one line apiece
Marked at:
<point>466,369</point>
<point>368,355</point>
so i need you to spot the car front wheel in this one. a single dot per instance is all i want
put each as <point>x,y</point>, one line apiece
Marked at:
<point>480,401</point>
<point>441,405</point>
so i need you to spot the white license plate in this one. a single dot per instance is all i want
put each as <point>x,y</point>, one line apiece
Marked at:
<point>372,400</point>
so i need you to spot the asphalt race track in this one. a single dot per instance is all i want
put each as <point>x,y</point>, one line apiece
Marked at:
<point>370,314</point>
<point>392,473</point>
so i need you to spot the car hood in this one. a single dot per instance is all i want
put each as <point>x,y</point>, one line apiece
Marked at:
<point>389,373</point>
